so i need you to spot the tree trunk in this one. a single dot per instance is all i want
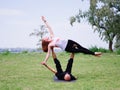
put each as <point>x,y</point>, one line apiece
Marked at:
<point>110,46</point>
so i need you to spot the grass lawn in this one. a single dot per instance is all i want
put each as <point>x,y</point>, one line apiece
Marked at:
<point>24,72</point>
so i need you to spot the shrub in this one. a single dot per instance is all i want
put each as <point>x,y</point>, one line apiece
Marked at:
<point>96,49</point>
<point>103,50</point>
<point>6,52</point>
<point>118,51</point>
<point>24,51</point>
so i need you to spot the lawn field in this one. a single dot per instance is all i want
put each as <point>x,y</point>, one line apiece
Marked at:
<point>23,71</point>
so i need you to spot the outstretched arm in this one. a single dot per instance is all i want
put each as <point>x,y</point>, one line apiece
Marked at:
<point>48,26</point>
<point>47,55</point>
<point>51,69</point>
<point>50,46</point>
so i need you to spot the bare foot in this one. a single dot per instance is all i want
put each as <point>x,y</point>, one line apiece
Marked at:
<point>98,54</point>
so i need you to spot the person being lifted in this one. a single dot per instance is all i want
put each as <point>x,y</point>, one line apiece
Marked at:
<point>66,45</point>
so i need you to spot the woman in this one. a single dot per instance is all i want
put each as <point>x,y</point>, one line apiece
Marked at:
<point>67,45</point>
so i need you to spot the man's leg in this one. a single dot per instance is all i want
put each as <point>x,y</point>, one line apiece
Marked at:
<point>70,63</point>
<point>57,63</point>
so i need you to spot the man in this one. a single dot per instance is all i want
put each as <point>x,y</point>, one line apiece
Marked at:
<point>60,74</point>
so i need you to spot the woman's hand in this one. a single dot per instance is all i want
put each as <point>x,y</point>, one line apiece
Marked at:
<point>43,63</point>
<point>48,26</point>
<point>43,18</point>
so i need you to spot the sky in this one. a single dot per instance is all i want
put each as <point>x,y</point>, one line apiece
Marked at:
<point>19,18</point>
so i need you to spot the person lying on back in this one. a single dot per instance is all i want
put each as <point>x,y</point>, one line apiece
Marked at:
<point>60,74</point>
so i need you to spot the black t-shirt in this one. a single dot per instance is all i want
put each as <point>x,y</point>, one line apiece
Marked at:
<point>60,76</point>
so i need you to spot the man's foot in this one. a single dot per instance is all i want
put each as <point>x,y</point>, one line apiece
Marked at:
<point>98,54</point>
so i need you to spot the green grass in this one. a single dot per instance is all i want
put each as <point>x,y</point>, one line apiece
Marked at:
<point>24,72</point>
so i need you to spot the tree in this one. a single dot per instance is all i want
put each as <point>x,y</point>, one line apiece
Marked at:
<point>104,16</point>
<point>41,32</point>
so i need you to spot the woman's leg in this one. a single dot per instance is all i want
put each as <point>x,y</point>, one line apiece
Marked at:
<point>77,48</point>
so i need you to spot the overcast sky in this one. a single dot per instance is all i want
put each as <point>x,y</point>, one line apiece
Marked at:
<point>18,18</point>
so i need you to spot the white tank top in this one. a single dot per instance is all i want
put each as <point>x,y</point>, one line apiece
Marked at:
<point>61,43</point>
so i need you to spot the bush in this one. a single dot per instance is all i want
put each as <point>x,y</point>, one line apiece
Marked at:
<point>96,49</point>
<point>6,52</point>
<point>118,51</point>
<point>103,50</point>
<point>24,51</point>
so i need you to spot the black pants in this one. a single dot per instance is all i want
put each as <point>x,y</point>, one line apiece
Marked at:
<point>59,68</point>
<point>74,47</point>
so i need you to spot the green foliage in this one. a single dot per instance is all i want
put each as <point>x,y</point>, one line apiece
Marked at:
<point>72,19</point>
<point>117,43</point>
<point>24,52</point>
<point>118,51</point>
<point>6,52</point>
<point>103,50</point>
<point>96,49</point>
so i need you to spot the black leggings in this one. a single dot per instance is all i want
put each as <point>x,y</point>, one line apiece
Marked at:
<point>68,68</point>
<point>74,47</point>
